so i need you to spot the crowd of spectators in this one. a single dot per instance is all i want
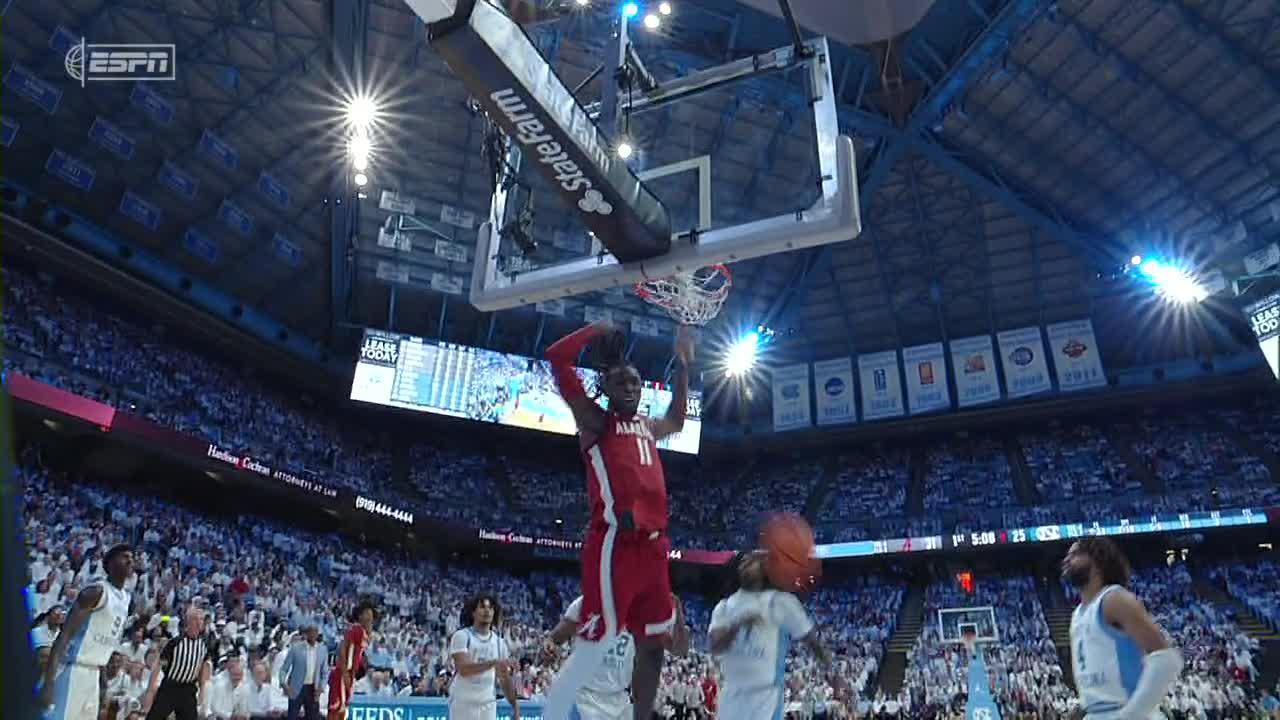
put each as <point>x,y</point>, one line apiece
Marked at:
<point>1257,585</point>
<point>1075,461</point>
<point>1188,454</point>
<point>968,472</point>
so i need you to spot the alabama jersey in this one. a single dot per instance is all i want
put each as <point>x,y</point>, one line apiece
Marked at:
<point>339,688</point>
<point>76,688</point>
<point>1107,663</point>
<point>625,476</point>
<point>754,665</point>
<point>476,696</point>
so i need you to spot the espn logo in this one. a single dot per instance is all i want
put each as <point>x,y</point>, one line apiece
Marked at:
<point>86,62</point>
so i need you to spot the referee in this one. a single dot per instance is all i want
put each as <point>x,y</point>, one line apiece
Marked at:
<point>182,663</point>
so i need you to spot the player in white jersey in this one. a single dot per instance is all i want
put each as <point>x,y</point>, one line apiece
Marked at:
<point>751,633</point>
<point>607,695</point>
<point>1122,660</point>
<point>87,641</point>
<point>480,655</point>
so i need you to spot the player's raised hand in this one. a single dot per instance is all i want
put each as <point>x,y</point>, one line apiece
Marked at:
<point>684,344</point>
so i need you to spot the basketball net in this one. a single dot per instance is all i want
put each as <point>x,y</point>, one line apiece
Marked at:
<point>691,298</point>
<point>970,640</point>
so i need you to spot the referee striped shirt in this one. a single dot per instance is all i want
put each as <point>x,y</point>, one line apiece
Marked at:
<point>183,657</point>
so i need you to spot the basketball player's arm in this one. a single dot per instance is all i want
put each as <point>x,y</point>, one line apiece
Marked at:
<point>672,421</point>
<point>509,688</point>
<point>562,354</point>
<point>86,602</point>
<point>677,642</point>
<point>1161,663</point>
<point>723,631</point>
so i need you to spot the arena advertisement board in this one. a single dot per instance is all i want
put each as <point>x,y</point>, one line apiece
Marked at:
<point>881,386</point>
<point>461,381</point>
<point>366,707</point>
<point>926,368</point>
<point>1025,370</point>
<point>1264,319</point>
<point>1075,355</point>
<point>791,397</point>
<point>833,390</point>
<point>973,364</point>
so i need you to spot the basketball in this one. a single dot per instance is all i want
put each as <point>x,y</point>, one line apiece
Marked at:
<point>791,564</point>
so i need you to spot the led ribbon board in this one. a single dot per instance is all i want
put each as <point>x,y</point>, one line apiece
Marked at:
<point>522,94</point>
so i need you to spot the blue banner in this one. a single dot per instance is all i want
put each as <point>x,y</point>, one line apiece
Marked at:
<point>8,130</point>
<point>25,83</point>
<point>178,181</point>
<point>364,707</point>
<point>149,101</point>
<point>288,252</point>
<point>73,171</point>
<point>218,149</point>
<point>135,208</point>
<point>200,245</point>
<point>62,40</point>
<point>274,190</point>
<point>112,138</point>
<point>233,217</point>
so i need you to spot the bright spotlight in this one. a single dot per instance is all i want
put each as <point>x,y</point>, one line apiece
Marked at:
<point>664,8</point>
<point>361,179</point>
<point>652,21</point>
<point>360,148</point>
<point>1174,284</point>
<point>630,10</point>
<point>362,112</point>
<point>625,149</point>
<point>742,355</point>
<point>583,3</point>
<point>1136,260</point>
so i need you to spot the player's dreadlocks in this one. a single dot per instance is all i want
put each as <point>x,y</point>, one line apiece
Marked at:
<point>1108,558</point>
<point>607,353</point>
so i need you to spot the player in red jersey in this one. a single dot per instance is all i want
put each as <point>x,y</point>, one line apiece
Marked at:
<point>625,580</point>
<point>350,660</point>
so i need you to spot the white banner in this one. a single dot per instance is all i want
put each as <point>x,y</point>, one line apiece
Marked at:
<point>641,325</point>
<point>453,252</point>
<point>1261,259</point>
<point>393,203</point>
<point>791,397</point>
<point>394,239</point>
<point>451,284</point>
<point>833,388</point>
<point>591,314</point>
<point>926,368</point>
<point>391,272</point>
<point>457,217</point>
<point>881,388</point>
<point>1025,370</point>
<point>1075,355</point>
<point>554,306</point>
<point>973,361</point>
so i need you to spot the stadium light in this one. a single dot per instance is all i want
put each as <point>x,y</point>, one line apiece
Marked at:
<point>583,3</point>
<point>361,179</point>
<point>653,22</point>
<point>360,148</point>
<point>362,112</point>
<point>664,8</point>
<point>742,355</point>
<point>625,149</point>
<point>1174,284</point>
<point>1136,260</point>
<point>630,10</point>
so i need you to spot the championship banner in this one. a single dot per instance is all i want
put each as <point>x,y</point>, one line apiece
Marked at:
<point>881,388</point>
<point>973,360</point>
<point>791,397</point>
<point>926,368</point>
<point>1025,370</point>
<point>833,389</point>
<point>1075,355</point>
<point>1264,318</point>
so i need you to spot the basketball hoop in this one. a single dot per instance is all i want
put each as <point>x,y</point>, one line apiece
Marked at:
<point>970,639</point>
<point>691,298</point>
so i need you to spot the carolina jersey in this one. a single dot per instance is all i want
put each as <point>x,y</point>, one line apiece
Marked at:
<point>757,657</point>
<point>624,474</point>
<point>482,648</point>
<point>100,636</point>
<point>619,660</point>
<point>1106,662</point>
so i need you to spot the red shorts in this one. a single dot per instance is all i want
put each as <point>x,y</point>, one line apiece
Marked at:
<point>626,584</point>
<point>339,696</point>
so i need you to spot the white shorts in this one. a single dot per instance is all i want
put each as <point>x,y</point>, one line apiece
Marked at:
<point>593,705</point>
<point>75,694</point>
<point>753,704</point>
<point>461,709</point>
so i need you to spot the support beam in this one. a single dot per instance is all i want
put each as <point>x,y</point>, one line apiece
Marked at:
<point>349,32</point>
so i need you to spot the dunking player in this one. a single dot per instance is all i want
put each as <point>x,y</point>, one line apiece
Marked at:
<point>479,654</point>
<point>87,641</point>
<point>350,660</point>
<point>751,632</point>
<point>1123,661</point>
<point>606,696</point>
<point>625,581</point>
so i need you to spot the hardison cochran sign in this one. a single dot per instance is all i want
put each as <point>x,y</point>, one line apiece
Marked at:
<point>249,464</point>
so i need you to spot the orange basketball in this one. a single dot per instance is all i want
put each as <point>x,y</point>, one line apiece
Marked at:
<point>791,564</point>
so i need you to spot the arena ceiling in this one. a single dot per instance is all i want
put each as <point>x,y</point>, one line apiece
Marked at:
<point>1012,155</point>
